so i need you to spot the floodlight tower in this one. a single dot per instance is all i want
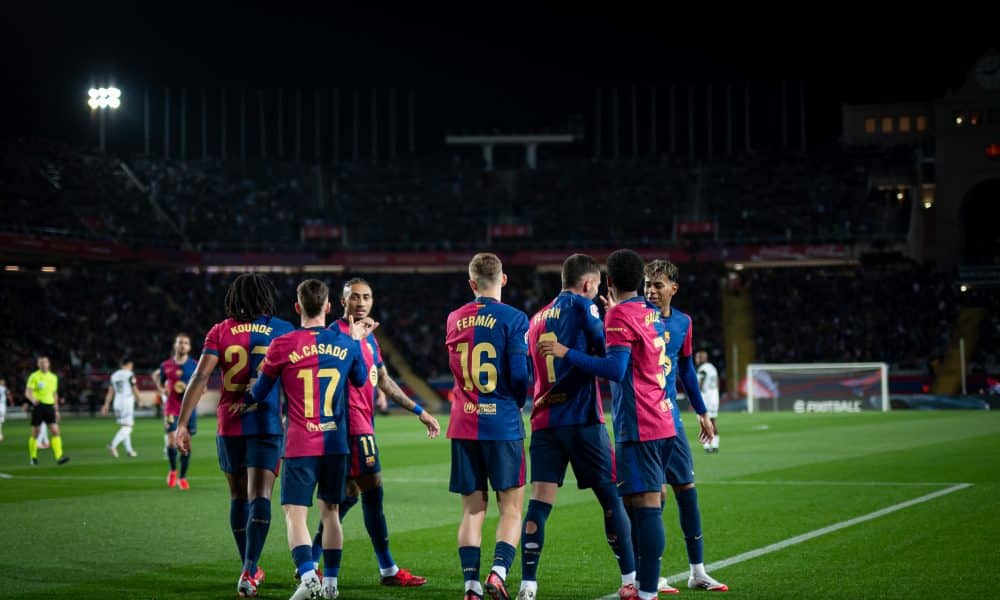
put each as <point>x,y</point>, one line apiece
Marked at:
<point>102,100</point>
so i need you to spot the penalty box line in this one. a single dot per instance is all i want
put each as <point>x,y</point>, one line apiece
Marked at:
<point>805,537</point>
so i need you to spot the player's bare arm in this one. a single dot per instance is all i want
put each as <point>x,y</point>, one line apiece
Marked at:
<point>397,395</point>
<point>156,381</point>
<point>107,400</point>
<point>195,389</point>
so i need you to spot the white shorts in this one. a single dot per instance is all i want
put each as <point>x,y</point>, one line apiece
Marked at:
<point>125,415</point>
<point>3,411</point>
<point>712,405</point>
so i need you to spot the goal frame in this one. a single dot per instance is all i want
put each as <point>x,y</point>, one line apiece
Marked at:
<point>882,367</point>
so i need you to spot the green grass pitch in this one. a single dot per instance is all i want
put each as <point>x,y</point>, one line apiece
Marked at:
<point>109,528</point>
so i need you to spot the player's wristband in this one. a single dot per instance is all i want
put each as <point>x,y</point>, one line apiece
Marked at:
<point>417,409</point>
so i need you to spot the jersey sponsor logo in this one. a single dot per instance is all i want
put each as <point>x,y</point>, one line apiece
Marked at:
<point>593,311</point>
<point>328,426</point>
<point>239,408</point>
<point>487,409</point>
<point>179,387</point>
<point>470,408</point>
<point>373,375</point>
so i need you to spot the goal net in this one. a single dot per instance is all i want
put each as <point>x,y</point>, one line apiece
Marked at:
<point>819,387</point>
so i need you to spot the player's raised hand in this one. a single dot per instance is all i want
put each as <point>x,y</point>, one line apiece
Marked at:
<point>433,427</point>
<point>707,429</point>
<point>608,302</point>
<point>552,348</point>
<point>183,439</point>
<point>361,329</point>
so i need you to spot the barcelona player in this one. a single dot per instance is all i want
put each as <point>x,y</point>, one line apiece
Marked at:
<point>487,349</point>
<point>248,436</point>
<point>171,381</point>
<point>314,365</point>
<point>567,423</point>
<point>661,286</point>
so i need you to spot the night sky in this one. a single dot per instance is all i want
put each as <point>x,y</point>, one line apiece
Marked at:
<point>491,66</point>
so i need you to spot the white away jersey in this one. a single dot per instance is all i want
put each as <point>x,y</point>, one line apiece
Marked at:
<point>121,381</point>
<point>708,381</point>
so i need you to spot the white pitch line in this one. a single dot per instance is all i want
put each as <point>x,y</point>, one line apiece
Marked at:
<point>832,483</point>
<point>805,537</point>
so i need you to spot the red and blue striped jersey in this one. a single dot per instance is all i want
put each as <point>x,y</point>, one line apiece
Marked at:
<point>641,410</point>
<point>361,399</point>
<point>315,367</point>
<point>484,337</point>
<point>565,395</point>
<point>174,377</point>
<point>241,348</point>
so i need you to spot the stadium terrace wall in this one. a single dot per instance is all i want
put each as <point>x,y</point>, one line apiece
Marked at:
<point>16,245</point>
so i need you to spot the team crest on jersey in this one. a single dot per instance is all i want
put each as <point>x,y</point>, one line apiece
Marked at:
<point>666,336</point>
<point>373,375</point>
<point>470,408</point>
<point>593,311</point>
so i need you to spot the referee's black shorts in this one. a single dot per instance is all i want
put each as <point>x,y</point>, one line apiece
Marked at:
<point>43,413</point>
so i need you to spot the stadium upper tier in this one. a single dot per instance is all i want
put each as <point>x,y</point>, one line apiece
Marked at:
<point>445,204</point>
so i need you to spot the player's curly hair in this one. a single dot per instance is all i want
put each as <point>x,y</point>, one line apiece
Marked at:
<point>625,269</point>
<point>661,268</point>
<point>250,296</point>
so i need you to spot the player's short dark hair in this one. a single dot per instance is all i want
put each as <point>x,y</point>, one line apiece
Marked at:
<point>182,334</point>
<point>625,269</point>
<point>124,361</point>
<point>576,267</point>
<point>355,281</point>
<point>661,268</point>
<point>485,269</point>
<point>312,295</point>
<point>249,296</point>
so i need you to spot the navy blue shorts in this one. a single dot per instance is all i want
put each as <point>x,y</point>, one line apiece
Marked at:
<point>642,466</point>
<point>680,468</point>
<point>364,456</point>
<point>473,462</point>
<point>239,452</point>
<point>586,447</point>
<point>304,475</point>
<point>170,423</point>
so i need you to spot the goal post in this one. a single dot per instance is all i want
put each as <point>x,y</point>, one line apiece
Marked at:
<point>818,387</point>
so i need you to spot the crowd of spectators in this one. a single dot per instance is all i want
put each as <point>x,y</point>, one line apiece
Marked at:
<point>445,203</point>
<point>904,316</point>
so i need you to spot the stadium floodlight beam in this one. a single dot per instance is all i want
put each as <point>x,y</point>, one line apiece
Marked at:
<point>102,99</point>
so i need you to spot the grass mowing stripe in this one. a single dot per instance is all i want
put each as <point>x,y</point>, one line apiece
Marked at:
<point>805,537</point>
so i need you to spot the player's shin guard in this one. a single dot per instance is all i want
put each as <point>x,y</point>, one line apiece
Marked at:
<point>331,562</point>
<point>469,557</point>
<point>617,527</point>
<point>302,557</point>
<point>127,438</point>
<point>690,515</point>
<point>503,557</point>
<point>185,463</point>
<point>257,527</point>
<point>33,448</point>
<point>533,538</point>
<point>317,547</point>
<point>57,446</point>
<point>651,545</point>
<point>633,522</point>
<point>238,511</point>
<point>172,458</point>
<point>378,531</point>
